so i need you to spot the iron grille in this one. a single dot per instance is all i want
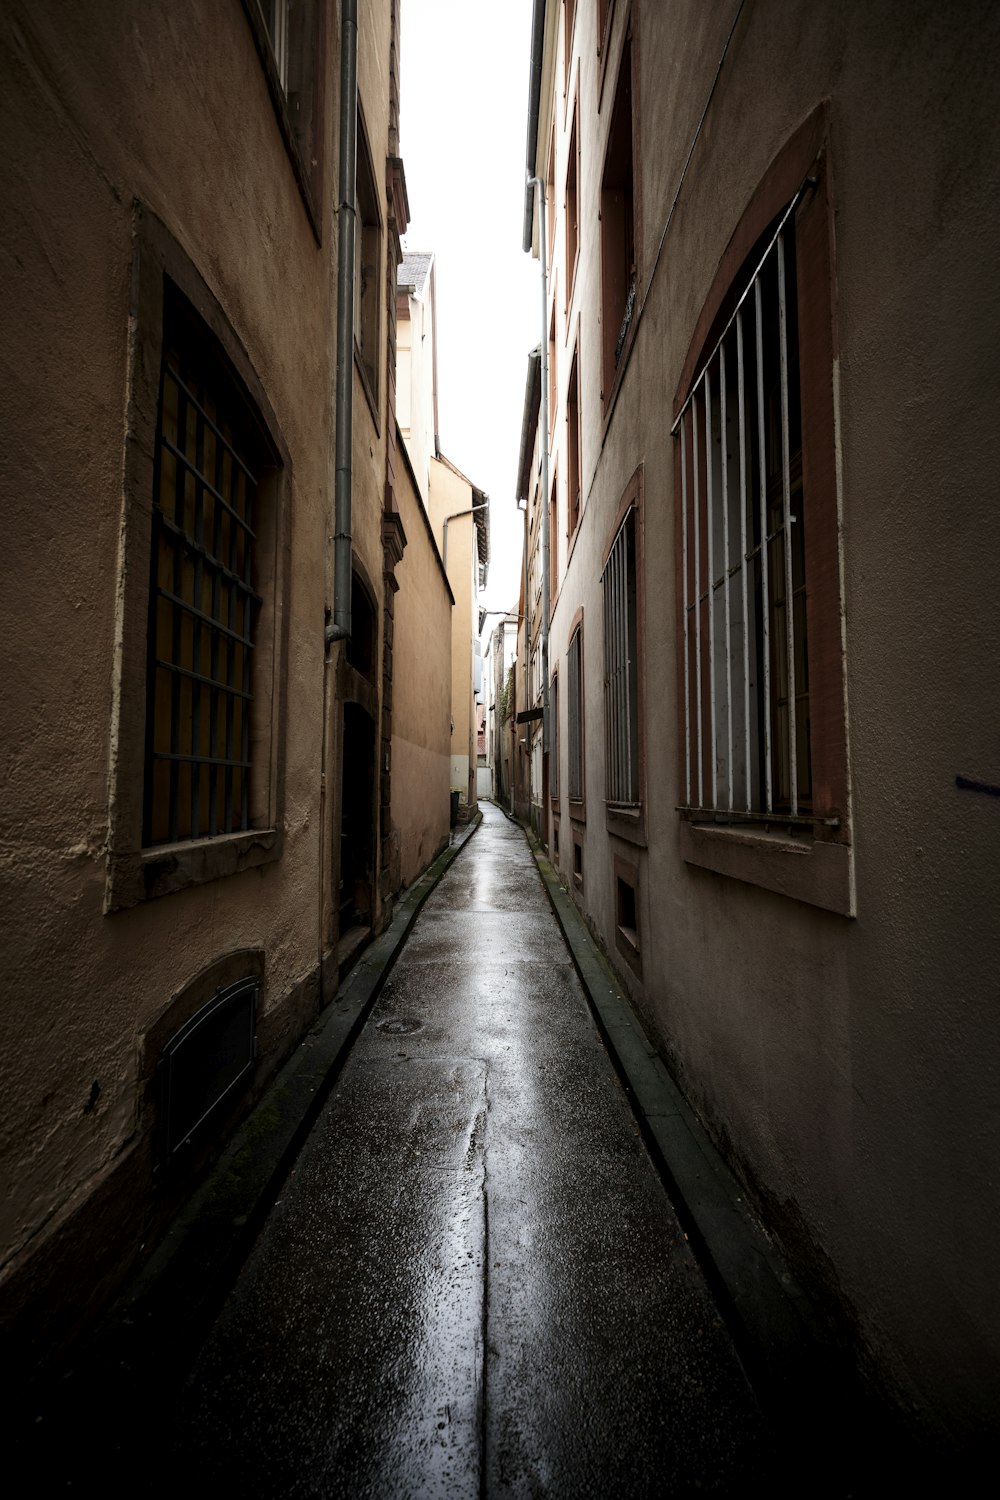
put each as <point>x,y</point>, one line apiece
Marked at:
<point>205,1061</point>
<point>575,717</point>
<point>554,739</point>
<point>745,658</point>
<point>203,604</point>
<point>621,703</point>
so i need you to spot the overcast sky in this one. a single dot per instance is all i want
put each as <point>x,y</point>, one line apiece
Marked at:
<point>463,123</point>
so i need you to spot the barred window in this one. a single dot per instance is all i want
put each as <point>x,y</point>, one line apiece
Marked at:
<point>367,267</point>
<point>618,240</point>
<point>276,17</point>
<point>554,738</point>
<point>203,604</point>
<point>574,724</point>
<point>621,688</point>
<point>743,576</point>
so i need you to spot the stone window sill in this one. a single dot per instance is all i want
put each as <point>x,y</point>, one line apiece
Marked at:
<point>804,869</point>
<point>147,873</point>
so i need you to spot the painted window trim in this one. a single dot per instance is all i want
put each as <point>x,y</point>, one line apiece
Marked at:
<point>815,867</point>
<point>306,157</point>
<point>609,395</point>
<point>134,872</point>
<point>577,806</point>
<point>629,823</point>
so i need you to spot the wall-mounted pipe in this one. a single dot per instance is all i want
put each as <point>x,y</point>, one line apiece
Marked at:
<point>340,629</point>
<point>543,519</point>
<point>534,99</point>
<point>456,515</point>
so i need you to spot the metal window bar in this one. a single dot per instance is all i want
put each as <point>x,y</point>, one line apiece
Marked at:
<point>275,15</point>
<point>684,598</point>
<point>202,605</point>
<point>620,668</point>
<point>554,745</point>
<point>726,577</point>
<point>710,586</point>
<point>707,499</point>
<point>575,717</point>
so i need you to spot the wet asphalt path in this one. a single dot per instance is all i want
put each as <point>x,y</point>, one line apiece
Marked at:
<point>473,1283</point>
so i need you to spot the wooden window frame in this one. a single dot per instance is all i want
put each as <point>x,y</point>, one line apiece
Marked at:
<point>605,28</point>
<point>612,367</point>
<point>300,111</point>
<point>577,806</point>
<point>571,203</point>
<point>569,33</point>
<point>553,524</point>
<point>574,453</point>
<point>630,822</point>
<point>369,241</point>
<point>815,866</point>
<point>628,940</point>
<point>134,872</point>
<point>554,782</point>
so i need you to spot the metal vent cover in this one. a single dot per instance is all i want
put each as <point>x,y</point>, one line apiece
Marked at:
<point>205,1061</point>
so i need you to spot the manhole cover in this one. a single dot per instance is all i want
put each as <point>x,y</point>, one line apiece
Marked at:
<point>400,1025</point>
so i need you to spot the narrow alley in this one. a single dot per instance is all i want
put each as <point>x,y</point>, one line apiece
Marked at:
<point>473,1281</point>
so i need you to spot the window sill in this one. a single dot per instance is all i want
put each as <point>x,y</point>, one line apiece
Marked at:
<point>627,823</point>
<point>815,872</point>
<point>577,810</point>
<point>627,943</point>
<point>147,873</point>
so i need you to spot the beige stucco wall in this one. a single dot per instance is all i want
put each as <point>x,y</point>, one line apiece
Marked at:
<point>449,493</point>
<point>102,106</point>
<point>415,380</point>
<point>848,1066</point>
<point>421,696</point>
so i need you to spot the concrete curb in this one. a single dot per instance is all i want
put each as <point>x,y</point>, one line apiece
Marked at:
<point>169,1303</point>
<point>794,1368</point>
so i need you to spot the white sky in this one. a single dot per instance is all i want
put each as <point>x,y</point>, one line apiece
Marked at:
<point>463,124</point>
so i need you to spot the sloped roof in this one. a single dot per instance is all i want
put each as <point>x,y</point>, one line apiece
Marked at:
<point>481,509</point>
<point>414,269</point>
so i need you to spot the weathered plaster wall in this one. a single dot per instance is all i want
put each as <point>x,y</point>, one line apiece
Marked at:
<point>449,493</point>
<point>421,697</point>
<point>416,375</point>
<point>101,106</point>
<point>848,1065</point>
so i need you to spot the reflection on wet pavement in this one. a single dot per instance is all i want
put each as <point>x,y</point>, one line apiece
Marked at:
<point>473,1283</point>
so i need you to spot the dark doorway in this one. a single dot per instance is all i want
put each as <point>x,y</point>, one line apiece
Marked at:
<point>357,841</point>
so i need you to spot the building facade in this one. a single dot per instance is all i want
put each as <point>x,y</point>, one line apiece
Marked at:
<point>458,511</point>
<point>772,388</point>
<point>200,820</point>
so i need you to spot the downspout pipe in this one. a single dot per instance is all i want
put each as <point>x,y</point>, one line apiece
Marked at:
<point>526,690</point>
<point>534,98</point>
<point>455,516</point>
<point>340,628</point>
<point>543,520</point>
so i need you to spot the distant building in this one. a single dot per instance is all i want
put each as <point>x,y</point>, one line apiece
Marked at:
<point>459,512</point>
<point>771,335</point>
<point>499,667</point>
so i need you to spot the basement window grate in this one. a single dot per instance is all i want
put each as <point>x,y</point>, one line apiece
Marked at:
<point>204,1063</point>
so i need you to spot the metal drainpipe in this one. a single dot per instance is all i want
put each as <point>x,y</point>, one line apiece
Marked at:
<point>527,659</point>
<point>544,517</point>
<point>340,629</point>
<point>455,515</point>
<point>534,100</point>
